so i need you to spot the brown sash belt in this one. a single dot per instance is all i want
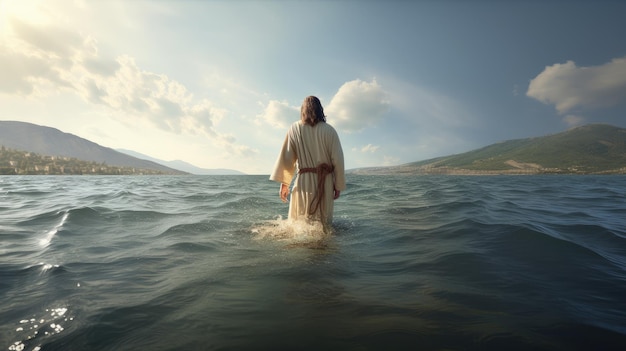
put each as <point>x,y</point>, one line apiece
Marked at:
<point>322,170</point>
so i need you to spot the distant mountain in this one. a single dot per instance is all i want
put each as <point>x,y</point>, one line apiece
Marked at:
<point>53,142</point>
<point>590,149</point>
<point>184,166</point>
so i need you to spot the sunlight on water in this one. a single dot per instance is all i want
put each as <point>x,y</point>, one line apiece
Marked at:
<point>35,328</point>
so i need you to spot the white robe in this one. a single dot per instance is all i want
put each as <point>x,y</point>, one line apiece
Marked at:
<point>307,147</point>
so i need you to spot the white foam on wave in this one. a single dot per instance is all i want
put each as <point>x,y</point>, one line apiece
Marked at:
<point>47,266</point>
<point>45,241</point>
<point>292,231</point>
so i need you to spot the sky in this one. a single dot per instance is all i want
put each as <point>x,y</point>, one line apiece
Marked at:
<point>217,83</point>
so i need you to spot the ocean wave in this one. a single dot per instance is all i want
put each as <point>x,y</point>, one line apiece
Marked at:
<point>187,247</point>
<point>212,263</point>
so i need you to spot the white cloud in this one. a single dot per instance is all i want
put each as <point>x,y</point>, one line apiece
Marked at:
<point>41,60</point>
<point>164,102</point>
<point>369,148</point>
<point>279,114</point>
<point>567,86</point>
<point>357,105</point>
<point>53,41</point>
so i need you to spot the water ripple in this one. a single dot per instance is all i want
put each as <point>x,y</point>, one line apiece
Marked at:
<point>472,263</point>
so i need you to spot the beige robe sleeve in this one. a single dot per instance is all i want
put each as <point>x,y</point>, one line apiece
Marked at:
<point>285,166</point>
<point>336,155</point>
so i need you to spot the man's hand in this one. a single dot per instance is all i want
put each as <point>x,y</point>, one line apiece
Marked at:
<point>284,191</point>
<point>337,193</point>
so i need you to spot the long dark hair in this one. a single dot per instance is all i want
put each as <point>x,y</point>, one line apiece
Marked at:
<point>312,111</point>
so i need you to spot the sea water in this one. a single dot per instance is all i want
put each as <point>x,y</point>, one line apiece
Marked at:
<point>412,263</point>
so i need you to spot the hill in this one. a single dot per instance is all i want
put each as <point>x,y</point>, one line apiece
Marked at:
<point>53,142</point>
<point>590,149</point>
<point>16,162</point>
<point>184,166</point>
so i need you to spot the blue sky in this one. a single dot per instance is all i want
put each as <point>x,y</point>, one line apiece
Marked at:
<point>216,83</point>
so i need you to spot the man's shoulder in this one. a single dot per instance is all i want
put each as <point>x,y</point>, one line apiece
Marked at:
<point>294,126</point>
<point>327,127</point>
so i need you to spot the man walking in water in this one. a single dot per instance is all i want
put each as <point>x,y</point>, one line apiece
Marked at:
<point>312,153</point>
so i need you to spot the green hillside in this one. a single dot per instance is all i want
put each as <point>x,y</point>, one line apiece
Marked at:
<point>590,149</point>
<point>42,140</point>
<point>15,162</point>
